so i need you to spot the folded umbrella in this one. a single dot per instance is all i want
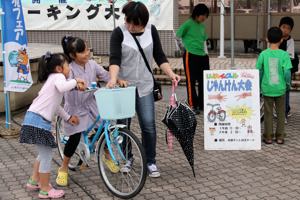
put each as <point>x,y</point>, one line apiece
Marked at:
<point>172,104</point>
<point>181,121</point>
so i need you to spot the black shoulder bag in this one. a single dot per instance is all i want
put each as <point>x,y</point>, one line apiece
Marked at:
<point>157,92</point>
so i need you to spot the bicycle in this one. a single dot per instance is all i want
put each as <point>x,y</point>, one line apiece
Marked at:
<point>213,114</point>
<point>113,139</point>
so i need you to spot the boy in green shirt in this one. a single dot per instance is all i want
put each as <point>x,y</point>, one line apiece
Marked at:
<point>195,58</point>
<point>274,66</point>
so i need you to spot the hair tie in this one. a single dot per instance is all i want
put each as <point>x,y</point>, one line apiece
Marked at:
<point>66,39</point>
<point>47,56</point>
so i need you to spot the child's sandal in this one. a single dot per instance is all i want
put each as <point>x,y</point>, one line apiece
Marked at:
<point>32,185</point>
<point>62,178</point>
<point>52,194</point>
<point>280,141</point>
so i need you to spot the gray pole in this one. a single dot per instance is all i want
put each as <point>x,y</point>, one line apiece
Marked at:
<point>232,32</point>
<point>269,14</point>
<point>222,12</point>
<point>113,11</point>
<point>257,23</point>
<point>6,93</point>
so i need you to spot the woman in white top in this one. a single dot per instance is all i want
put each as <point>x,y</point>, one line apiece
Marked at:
<point>36,128</point>
<point>127,63</point>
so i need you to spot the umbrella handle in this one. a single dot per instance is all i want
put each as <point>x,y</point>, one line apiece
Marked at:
<point>173,98</point>
<point>174,85</point>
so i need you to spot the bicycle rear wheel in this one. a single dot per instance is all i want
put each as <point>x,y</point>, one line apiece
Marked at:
<point>127,184</point>
<point>61,139</point>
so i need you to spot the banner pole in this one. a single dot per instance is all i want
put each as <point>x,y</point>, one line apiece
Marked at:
<point>113,9</point>
<point>6,93</point>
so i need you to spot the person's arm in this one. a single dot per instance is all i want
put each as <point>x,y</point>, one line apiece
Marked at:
<point>158,53</point>
<point>113,72</point>
<point>101,73</point>
<point>160,57</point>
<point>287,77</point>
<point>180,33</point>
<point>66,117</point>
<point>64,85</point>
<point>205,47</point>
<point>115,56</point>
<point>290,48</point>
<point>115,48</point>
<point>179,36</point>
<point>259,66</point>
<point>166,67</point>
<point>287,65</point>
<point>63,114</point>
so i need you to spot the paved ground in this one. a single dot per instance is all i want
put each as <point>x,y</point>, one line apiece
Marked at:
<point>271,173</point>
<point>216,63</point>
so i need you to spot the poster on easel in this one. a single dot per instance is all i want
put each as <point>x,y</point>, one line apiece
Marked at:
<point>232,110</point>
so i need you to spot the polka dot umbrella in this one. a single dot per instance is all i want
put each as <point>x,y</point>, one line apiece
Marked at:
<point>181,120</point>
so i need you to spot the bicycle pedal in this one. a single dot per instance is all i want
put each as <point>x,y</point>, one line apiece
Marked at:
<point>83,167</point>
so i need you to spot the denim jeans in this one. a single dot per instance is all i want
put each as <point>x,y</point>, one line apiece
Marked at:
<point>146,116</point>
<point>287,103</point>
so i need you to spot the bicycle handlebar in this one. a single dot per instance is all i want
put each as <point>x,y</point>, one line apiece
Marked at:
<point>213,105</point>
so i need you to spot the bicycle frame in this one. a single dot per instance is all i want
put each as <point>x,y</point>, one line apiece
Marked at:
<point>114,148</point>
<point>106,125</point>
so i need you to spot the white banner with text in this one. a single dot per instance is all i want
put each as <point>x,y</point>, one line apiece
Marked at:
<point>96,15</point>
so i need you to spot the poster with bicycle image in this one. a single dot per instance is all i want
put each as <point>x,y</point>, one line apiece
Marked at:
<point>231,110</point>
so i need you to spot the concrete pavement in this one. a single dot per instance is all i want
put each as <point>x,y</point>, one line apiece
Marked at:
<point>244,61</point>
<point>271,173</point>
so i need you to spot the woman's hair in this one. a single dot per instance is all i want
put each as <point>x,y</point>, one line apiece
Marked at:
<point>48,64</point>
<point>136,13</point>
<point>200,9</point>
<point>72,45</point>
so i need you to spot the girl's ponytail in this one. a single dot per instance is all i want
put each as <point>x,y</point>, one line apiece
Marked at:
<point>48,64</point>
<point>65,43</point>
<point>42,69</point>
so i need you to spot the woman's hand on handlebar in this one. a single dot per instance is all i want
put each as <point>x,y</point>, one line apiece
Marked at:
<point>111,83</point>
<point>119,82</point>
<point>122,83</point>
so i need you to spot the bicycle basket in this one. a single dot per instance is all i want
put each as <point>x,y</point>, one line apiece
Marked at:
<point>117,103</point>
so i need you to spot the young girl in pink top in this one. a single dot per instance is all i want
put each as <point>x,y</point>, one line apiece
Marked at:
<point>53,69</point>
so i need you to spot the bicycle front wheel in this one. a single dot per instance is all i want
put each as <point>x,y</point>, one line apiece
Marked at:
<point>61,140</point>
<point>129,178</point>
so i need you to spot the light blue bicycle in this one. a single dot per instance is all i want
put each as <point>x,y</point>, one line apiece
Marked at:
<point>111,141</point>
